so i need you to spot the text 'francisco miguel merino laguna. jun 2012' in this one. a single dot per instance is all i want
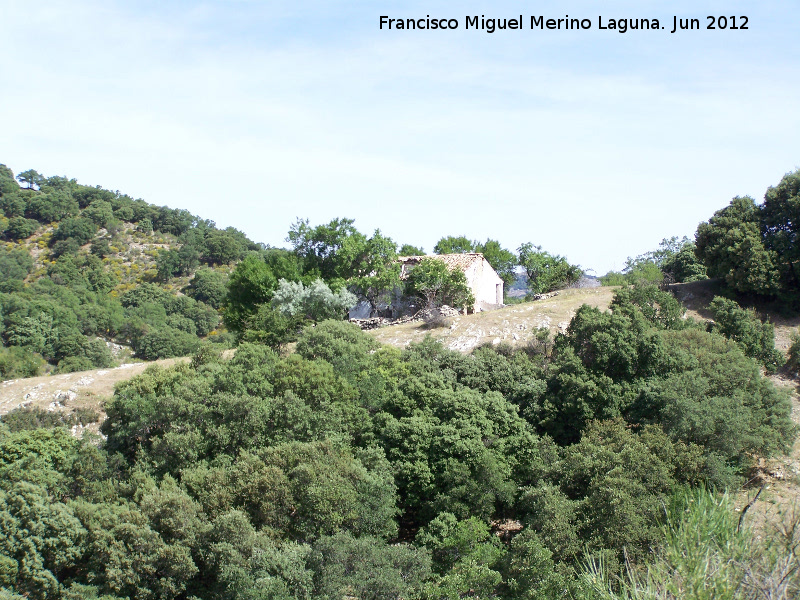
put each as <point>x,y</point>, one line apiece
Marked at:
<point>672,24</point>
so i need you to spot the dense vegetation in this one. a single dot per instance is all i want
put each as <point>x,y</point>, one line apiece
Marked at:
<point>675,261</point>
<point>349,469</point>
<point>754,248</point>
<point>83,266</point>
<point>576,467</point>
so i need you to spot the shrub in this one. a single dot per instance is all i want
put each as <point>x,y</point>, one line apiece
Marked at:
<point>208,286</point>
<point>756,338</point>
<point>79,229</point>
<point>436,320</point>
<point>436,284</point>
<point>20,228</point>
<point>794,354</point>
<point>724,562</point>
<point>19,362</point>
<point>316,302</point>
<point>661,308</point>
<point>165,342</point>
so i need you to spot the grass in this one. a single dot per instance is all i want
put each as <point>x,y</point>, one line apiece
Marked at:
<point>516,324</point>
<point>705,556</point>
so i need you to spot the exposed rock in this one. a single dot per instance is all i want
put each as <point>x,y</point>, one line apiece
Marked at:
<point>65,396</point>
<point>422,315</point>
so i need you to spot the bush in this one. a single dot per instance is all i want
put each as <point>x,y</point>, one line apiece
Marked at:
<point>661,308</point>
<point>436,320</point>
<point>756,338</point>
<point>14,264</point>
<point>794,354</point>
<point>208,286</point>
<point>724,562</point>
<point>20,228</point>
<point>165,342</point>
<point>19,362</point>
<point>432,281</point>
<point>316,302</point>
<point>79,229</point>
<point>52,207</point>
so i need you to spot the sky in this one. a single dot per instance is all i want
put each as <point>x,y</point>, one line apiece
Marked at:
<point>593,144</point>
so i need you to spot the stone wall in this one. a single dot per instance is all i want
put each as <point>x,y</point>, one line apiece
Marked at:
<point>422,315</point>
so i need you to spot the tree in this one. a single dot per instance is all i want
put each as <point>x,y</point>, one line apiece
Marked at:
<point>338,252</point>
<point>20,228</point>
<point>546,272</point>
<point>659,307</point>
<point>99,211</point>
<point>674,261</point>
<point>319,246</point>
<point>756,338</point>
<point>77,228</point>
<point>780,224</point>
<point>374,271</point>
<point>52,206</point>
<point>31,178</point>
<point>208,286</point>
<point>731,247</point>
<point>454,245</point>
<point>171,263</point>
<point>221,248</point>
<point>684,266</point>
<point>251,284</point>
<point>409,250</point>
<point>437,285</point>
<point>316,302</point>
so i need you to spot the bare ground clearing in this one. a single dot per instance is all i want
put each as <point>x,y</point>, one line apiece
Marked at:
<point>70,391</point>
<point>515,324</point>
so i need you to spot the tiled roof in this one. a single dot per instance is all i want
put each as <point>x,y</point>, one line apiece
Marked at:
<point>461,262</point>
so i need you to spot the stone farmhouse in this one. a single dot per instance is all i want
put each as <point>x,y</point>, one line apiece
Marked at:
<point>485,283</point>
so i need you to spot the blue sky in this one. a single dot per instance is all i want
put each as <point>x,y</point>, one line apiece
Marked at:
<point>595,145</point>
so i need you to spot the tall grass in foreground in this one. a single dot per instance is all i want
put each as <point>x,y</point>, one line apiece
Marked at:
<point>703,556</point>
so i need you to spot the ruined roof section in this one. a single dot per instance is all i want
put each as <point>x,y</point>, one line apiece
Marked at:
<point>462,262</point>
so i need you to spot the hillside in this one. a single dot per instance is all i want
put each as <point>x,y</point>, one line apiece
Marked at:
<point>515,324</point>
<point>91,277</point>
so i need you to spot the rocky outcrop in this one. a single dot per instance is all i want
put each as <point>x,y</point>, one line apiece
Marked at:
<point>425,314</point>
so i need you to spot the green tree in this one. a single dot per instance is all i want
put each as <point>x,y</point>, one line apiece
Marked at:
<point>319,246</point>
<point>78,228</point>
<point>221,248</point>
<point>756,338</point>
<point>208,286</point>
<point>780,224</point>
<point>367,568</point>
<point>99,211</point>
<point>731,247</point>
<point>31,178</point>
<point>20,228</point>
<point>251,284</point>
<point>52,206</point>
<point>454,245</point>
<point>373,272</point>
<point>546,272</point>
<point>437,285</point>
<point>409,250</point>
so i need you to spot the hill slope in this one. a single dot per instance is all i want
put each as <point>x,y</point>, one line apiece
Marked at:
<point>515,324</point>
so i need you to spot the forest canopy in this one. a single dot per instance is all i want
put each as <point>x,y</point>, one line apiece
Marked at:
<point>314,462</point>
